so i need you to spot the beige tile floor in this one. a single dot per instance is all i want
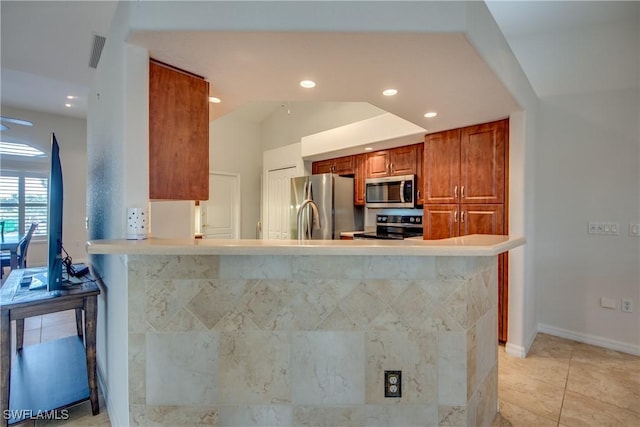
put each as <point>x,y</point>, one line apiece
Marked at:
<point>561,383</point>
<point>565,383</point>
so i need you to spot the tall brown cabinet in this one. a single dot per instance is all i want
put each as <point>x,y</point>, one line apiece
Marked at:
<point>178,134</point>
<point>465,190</point>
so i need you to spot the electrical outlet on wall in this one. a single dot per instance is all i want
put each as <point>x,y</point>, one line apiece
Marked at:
<point>627,305</point>
<point>392,383</point>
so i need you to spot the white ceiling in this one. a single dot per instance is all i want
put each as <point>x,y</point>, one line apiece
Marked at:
<point>568,47</point>
<point>45,52</point>
<point>432,72</point>
<point>46,46</point>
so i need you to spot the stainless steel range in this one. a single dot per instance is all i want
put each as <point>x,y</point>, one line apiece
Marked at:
<point>394,227</point>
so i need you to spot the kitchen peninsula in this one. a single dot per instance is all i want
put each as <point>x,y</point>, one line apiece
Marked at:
<point>259,332</point>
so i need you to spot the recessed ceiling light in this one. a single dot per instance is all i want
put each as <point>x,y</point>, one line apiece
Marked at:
<point>215,100</point>
<point>67,105</point>
<point>430,114</point>
<point>389,92</point>
<point>368,149</point>
<point>308,84</point>
<point>71,97</point>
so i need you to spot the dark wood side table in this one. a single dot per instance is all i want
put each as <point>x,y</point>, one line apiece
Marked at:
<point>60,362</point>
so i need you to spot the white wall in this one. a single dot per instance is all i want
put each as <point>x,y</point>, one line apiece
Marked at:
<point>235,148</point>
<point>288,124</point>
<point>71,134</point>
<point>486,37</point>
<point>172,219</point>
<point>588,169</point>
<point>117,160</point>
<point>383,131</point>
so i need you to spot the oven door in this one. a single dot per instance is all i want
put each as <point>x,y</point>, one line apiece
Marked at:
<point>390,192</point>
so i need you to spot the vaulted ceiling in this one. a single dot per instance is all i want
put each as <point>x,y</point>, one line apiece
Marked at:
<point>563,47</point>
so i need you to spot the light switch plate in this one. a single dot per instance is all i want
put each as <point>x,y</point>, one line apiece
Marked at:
<point>606,228</point>
<point>607,303</point>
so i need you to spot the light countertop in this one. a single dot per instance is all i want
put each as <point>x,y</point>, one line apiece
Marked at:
<point>473,245</point>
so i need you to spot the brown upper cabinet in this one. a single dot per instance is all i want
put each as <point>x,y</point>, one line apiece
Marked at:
<point>360,161</point>
<point>466,165</point>
<point>341,166</point>
<point>392,162</point>
<point>178,134</point>
<point>405,160</point>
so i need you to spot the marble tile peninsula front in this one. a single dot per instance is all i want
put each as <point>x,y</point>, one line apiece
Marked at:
<point>290,339</point>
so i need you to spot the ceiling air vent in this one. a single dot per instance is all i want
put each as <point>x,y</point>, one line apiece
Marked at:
<point>96,50</point>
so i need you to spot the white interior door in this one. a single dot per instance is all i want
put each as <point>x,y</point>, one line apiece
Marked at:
<point>221,213</point>
<point>278,199</point>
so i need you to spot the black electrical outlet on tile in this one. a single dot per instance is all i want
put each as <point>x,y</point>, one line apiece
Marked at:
<point>392,383</point>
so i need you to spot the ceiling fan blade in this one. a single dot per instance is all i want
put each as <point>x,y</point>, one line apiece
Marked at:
<point>16,121</point>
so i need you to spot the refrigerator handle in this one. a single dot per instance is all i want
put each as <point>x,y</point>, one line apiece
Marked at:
<point>310,218</point>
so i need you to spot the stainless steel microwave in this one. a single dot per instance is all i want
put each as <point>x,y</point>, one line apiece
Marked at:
<point>390,192</point>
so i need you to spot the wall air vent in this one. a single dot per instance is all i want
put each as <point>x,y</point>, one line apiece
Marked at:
<point>96,49</point>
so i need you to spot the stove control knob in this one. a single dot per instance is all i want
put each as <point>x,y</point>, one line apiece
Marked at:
<point>418,219</point>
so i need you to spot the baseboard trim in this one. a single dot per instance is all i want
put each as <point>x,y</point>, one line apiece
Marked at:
<point>590,339</point>
<point>105,393</point>
<point>521,351</point>
<point>515,350</point>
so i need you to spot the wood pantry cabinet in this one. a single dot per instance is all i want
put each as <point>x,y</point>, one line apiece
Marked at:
<point>465,182</point>
<point>178,134</point>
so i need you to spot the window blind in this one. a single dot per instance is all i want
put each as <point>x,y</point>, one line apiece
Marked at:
<point>23,200</point>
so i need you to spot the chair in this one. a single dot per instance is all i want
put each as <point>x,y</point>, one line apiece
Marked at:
<point>23,248</point>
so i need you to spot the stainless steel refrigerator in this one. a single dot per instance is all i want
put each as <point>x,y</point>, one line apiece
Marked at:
<point>333,196</point>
